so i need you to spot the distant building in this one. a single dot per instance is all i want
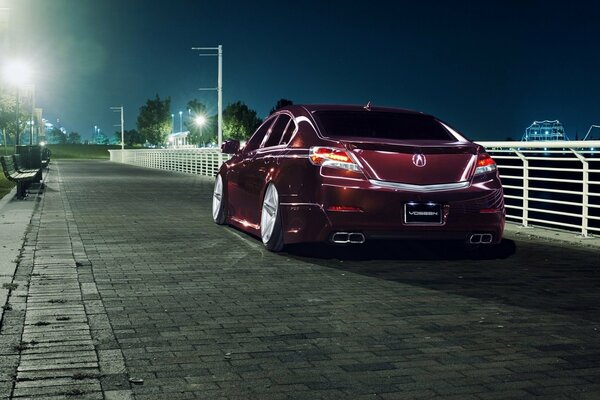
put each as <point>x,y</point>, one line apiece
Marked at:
<point>178,140</point>
<point>544,131</point>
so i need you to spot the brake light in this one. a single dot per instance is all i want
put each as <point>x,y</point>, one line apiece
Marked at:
<point>332,157</point>
<point>485,164</point>
<point>344,209</point>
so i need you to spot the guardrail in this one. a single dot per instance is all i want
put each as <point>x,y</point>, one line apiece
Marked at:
<point>204,161</point>
<point>549,184</point>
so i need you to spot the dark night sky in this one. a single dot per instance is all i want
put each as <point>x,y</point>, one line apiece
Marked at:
<point>489,68</point>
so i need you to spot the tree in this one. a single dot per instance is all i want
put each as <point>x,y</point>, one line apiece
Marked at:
<point>56,136</point>
<point>8,118</point>
<point>132,137</point>
<point>154,120</point>
<point>239,121</point>
<point>73,138</point>
<point>280,104</point>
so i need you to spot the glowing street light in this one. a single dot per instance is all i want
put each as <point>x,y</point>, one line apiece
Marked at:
<point>17,73</point>
<point>180,121</point>
<point>200,120</point>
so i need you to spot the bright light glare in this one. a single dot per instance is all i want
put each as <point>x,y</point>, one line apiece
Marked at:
<point>17,73</point>
<point>200,120</point>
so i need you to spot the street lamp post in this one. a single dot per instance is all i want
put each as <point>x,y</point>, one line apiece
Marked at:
<point>180,121</point>
<point>172,123</point>
<point>32,114</point>
<point>219,87</point>
<point>17,124</point>
<point>120,108</point>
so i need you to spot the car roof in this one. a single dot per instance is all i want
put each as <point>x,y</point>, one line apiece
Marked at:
<point>312,108</point>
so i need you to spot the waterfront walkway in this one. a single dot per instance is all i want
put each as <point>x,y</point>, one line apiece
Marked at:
<point>123,288</point>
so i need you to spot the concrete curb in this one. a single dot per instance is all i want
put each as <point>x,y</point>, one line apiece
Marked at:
<point>7,198</point>
<point>572,238</point>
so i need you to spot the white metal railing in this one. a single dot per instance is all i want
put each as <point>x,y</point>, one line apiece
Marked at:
<point>199,161</point>
<point>553,184</point>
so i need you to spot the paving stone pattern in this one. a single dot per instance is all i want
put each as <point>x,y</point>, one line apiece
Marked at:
<point>148,299</point>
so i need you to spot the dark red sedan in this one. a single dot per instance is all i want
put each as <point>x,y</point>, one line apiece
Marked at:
<point>350,174</point>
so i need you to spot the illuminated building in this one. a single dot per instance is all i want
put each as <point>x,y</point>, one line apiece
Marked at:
<point>545,131</point>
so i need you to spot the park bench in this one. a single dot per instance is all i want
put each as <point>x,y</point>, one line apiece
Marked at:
<point>22,179</point>
<point>20,166</point>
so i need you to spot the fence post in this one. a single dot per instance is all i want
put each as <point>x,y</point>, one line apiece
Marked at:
<point>585,193</point>
<point>525,162</point>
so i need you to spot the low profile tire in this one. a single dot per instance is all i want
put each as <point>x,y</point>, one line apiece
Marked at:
<point>219,209</point>
<point>271,231</point>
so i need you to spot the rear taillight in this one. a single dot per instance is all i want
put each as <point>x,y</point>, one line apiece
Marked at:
<point>332,157</point>
<point>485,164</point>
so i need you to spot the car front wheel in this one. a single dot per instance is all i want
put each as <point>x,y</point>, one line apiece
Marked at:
<point>271,231</point>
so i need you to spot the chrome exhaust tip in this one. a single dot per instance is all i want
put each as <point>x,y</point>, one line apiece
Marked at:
<point>356,237</point>
<point>347,237</point>
<point>475,238</point>
<point>340,237</point>
<point>486,238</point>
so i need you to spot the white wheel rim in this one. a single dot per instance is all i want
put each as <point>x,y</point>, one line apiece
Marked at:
<point>269,213</point>
<point>217,197</point>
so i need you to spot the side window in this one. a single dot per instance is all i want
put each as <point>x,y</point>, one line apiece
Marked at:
<point>277,130</point>
<point>258,136</point>
<point>289,131</point>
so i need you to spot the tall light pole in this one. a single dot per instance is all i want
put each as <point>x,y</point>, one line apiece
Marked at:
<point>219,87</point>
<point>32,114</point>
<point>120,108</point>
<point>180,121</point>
<point>172,123</point>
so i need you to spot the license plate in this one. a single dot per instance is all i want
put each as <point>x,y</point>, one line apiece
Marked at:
<point>423,213</point>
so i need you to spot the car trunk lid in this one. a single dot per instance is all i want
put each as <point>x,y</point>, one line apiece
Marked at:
<point>418,162</point>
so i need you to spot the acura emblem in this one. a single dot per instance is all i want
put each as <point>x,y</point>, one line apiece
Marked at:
<point>419,160</point>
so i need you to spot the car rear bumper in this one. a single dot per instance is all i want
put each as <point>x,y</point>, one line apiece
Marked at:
<point>378,213</point>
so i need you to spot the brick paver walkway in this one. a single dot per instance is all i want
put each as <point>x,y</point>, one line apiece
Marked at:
<point>128,290</point>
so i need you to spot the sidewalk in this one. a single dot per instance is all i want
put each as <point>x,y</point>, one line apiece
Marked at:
<point>15,216</point>
<point>127,290</point>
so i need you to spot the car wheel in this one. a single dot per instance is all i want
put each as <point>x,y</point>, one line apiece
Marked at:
<point>271,230</point>
<point>219,209</point>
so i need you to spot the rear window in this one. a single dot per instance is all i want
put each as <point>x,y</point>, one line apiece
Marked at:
<point>382,125</point>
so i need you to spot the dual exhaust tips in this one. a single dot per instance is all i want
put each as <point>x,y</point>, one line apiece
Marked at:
<point>481,238</point>
<point>348,237</point>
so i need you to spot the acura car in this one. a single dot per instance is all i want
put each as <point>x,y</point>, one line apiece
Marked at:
<point>351,174</point>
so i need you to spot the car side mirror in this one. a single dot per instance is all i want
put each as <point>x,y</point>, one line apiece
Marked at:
<point>230,146</point>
